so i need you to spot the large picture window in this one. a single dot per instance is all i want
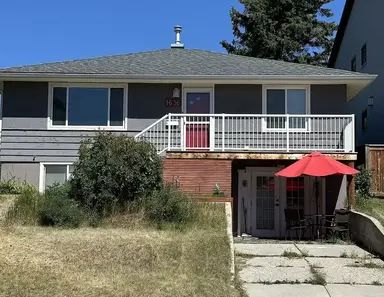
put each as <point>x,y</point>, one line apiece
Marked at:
<point>283,101</point>
<point>84,106</point>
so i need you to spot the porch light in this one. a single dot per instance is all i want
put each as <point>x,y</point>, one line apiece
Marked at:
<point>176,93</point>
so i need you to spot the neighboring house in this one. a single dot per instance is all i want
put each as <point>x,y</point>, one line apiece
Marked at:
<point>216,118</point>
<point>359,46</point>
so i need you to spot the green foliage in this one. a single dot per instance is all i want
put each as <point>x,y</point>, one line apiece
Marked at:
<point>289,30</point>
<point>363,184</point>
<point>113,170</point>
<point>26,207</point>
<point>13,186</point>
<point>169,205</point>
<point>57,209</point>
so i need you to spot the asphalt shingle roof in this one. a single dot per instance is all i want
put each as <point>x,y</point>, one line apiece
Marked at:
<point>178,62</point>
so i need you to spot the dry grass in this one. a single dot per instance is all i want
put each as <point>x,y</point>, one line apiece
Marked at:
<point>373,207</point>
<point>116,261</point>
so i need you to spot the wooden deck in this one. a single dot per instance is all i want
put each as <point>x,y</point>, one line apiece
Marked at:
<point>253,156</point>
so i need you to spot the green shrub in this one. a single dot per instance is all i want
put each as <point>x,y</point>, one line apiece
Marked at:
<point>25,208</point>
<point>13,186</point>
<point>57,209</point>
<point>363,183</point>
<point>169,205</point>
<point>113,170</point>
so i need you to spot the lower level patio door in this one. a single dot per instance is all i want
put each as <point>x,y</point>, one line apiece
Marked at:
<point>259,203</point>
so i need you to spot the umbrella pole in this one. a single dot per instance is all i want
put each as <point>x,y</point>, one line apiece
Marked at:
<point>317,206</point>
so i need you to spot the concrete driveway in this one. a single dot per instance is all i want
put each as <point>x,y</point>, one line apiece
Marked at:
<point>276,269</point>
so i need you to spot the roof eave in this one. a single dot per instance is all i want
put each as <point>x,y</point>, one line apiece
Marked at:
<point>30,76</point>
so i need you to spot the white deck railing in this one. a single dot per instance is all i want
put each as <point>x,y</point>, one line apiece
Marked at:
<point>251,132</point>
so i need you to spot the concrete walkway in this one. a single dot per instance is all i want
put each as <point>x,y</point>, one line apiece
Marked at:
<point>277,269</point>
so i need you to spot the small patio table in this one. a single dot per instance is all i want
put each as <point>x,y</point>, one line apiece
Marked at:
<point>316,223</point>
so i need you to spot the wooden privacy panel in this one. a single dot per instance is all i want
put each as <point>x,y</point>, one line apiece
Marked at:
<point>199,176</point>
<point>375,163</point>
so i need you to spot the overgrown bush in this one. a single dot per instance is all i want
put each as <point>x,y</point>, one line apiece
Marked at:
<point>169,205</point>
<point>57,209</point>
<point>113,170</point>
<point>25,208</point>
<point>13,186</point>
<point>363,183</point>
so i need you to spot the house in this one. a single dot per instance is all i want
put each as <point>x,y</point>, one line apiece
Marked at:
<point>217,119</point>
<point>358,47</point>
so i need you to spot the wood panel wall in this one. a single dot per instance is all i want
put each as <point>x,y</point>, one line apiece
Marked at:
<point>199,176</point>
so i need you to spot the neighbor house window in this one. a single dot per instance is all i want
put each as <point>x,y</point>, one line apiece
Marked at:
<point>353,64</point>
<point>80,106</point>
<point>54,174</point>
<point>292,101</point>
<point>364,55</point>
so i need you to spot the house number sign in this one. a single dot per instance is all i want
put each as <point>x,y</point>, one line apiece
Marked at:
<point>173,102</point>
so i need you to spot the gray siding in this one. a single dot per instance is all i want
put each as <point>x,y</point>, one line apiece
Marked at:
<point>21,171</point>
<point>147,101</point>
<point>328,99</point>
<point>238,99</point>
<point>365,26</point>
<point>26,140</point>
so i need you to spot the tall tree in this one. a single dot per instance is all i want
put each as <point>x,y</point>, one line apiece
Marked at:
<point>290,30</point>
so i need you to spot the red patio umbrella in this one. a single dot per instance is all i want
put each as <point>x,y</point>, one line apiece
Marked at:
<point>318,165</point>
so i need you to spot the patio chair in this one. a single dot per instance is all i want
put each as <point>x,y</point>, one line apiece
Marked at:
<point>294,222</point>
<point>338,224</point>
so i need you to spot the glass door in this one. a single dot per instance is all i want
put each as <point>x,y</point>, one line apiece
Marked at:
<point>265,203</point>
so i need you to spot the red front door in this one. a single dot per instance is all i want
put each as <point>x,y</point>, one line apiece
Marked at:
<point>197,127</point>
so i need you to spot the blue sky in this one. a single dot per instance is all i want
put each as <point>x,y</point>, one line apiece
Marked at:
<point>46,30</point>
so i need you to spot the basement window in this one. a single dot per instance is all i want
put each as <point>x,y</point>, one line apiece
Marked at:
<point>51,174</point>
<point>87,107</point>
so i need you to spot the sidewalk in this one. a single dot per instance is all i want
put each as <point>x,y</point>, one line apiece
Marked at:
<point>301,269</point>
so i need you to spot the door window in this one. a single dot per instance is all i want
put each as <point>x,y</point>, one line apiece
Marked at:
<point>197,102</point>
<point>295,194</point>
<point>265,202</point>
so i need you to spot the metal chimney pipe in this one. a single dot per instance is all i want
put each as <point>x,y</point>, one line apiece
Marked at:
<point>178,43</point>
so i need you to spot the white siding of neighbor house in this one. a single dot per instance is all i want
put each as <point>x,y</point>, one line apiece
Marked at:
<point>365,26</point>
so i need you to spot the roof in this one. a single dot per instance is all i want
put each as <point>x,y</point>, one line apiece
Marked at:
<point>177,63</point>
<point>340,32</point>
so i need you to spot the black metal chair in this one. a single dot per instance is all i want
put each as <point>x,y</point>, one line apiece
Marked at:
<point>294,222</point>
<point>338,224</point>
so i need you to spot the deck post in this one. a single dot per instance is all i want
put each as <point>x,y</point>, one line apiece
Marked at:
<point>223,131</point>
<point>169,132</point>
<point>287,130</point>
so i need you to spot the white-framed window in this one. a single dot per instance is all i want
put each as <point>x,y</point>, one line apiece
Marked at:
<point>54,173</point>
<point>87,106</point>
<point>279,101</point>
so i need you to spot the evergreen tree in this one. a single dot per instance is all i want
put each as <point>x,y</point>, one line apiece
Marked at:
<point>289,30</point>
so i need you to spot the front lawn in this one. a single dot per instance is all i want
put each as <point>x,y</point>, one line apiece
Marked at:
<point>120,258</point>
<point>373,207</point>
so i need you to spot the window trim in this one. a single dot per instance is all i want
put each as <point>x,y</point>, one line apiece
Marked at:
<point>42,172</point>
<point>51,86</point>
<point>307,89</point>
